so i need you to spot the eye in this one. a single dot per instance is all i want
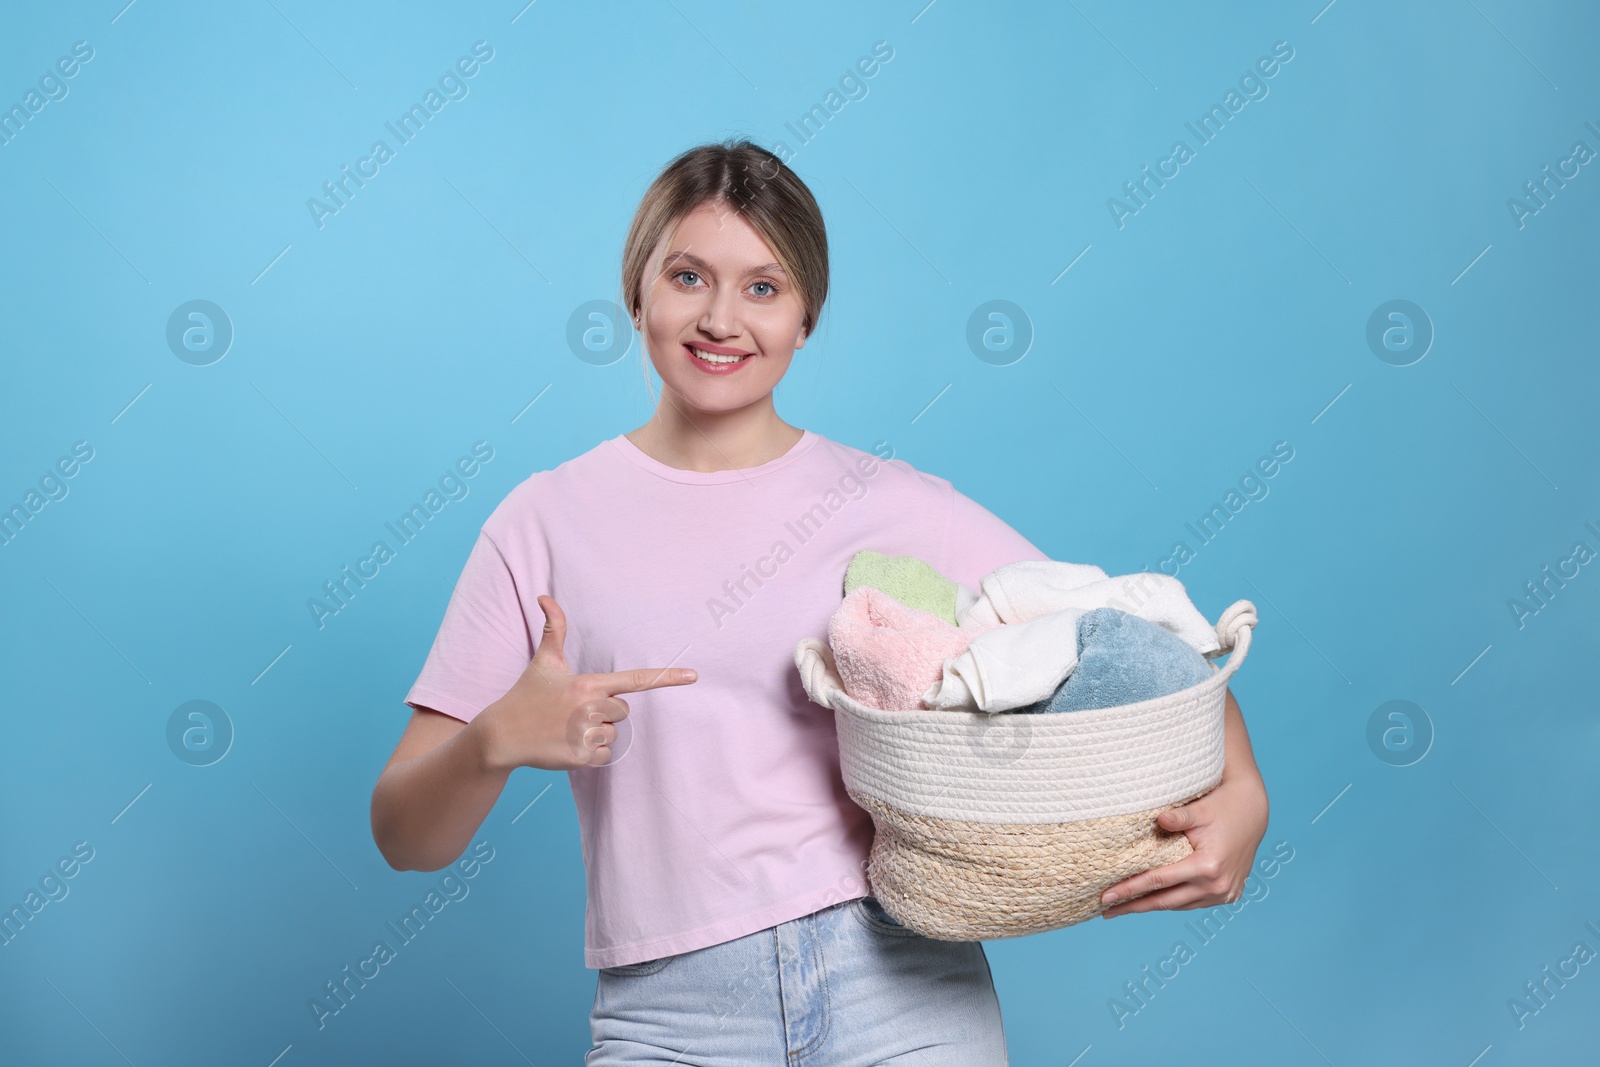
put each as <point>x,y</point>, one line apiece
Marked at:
<point>690,273</point>
<point>773,289</point>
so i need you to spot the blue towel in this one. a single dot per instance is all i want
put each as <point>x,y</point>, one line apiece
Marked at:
<point>1123,659</point>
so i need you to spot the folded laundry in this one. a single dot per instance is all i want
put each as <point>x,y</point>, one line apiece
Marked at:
<point>907,637</point>
<point>908,579</point>
<point>1123,659</point>
<point>886,653</point>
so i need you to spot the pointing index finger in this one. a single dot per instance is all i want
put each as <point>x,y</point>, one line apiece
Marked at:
<point>643,678</point>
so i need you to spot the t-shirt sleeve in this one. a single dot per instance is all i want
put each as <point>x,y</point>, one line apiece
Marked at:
<point>484,643</point>
<point>977,541</point>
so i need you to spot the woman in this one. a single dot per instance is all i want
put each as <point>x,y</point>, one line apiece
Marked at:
<point>728,910</point>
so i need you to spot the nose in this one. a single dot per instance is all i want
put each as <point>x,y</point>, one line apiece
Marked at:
<point>720,319</point>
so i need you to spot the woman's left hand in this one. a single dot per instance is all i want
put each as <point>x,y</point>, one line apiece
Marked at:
<point>1225,826</point>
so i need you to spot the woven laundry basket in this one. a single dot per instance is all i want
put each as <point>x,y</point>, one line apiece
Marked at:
<point>992,825</point>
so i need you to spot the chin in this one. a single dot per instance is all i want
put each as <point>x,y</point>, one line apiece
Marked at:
<point>720,404</point>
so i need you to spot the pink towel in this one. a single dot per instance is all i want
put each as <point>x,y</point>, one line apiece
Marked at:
<point>887,654</point>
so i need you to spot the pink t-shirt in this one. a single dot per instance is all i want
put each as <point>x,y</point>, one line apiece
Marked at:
<point>722,811</point>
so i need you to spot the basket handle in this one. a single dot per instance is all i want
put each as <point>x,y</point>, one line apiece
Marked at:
<point>817,672</point>
<point>1233,634</point>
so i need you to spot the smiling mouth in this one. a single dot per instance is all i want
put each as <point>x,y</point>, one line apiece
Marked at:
<point>716,359</point>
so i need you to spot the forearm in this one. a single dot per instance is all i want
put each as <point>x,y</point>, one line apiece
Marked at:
<point>426,809</point>
<point>1239,759</point>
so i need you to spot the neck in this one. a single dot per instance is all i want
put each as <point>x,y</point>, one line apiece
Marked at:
<point>708,441</point>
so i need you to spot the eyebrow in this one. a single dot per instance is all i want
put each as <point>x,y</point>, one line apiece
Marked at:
<point>696,261</point>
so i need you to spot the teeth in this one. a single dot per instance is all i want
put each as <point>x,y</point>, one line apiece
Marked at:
<point>710,357</point>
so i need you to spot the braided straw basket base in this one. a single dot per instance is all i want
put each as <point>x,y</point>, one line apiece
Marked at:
<point>974,881</point>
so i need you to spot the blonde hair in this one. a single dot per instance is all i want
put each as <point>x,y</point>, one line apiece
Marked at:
<point>756,185</point>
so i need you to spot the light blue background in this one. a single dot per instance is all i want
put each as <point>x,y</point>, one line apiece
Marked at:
<point>1225,316</point>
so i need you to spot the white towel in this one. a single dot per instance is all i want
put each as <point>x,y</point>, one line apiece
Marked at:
<point>1040,602</point>
<point>1015,665</point>
<point>1025,590</point>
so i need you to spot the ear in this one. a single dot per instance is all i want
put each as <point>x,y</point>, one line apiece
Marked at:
<point>800,342</point>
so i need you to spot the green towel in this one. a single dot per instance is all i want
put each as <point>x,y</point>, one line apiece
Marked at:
<point>906,578</point>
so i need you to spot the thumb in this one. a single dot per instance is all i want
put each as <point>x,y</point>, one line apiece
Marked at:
<point>550,652</point>
<point>1176,818</point>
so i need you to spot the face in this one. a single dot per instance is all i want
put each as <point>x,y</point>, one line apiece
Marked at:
<point>719,289</point>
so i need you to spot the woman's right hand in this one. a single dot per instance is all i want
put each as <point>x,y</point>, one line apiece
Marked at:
<point>556,720</point>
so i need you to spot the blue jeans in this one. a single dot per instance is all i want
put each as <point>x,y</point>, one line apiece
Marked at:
<point>846,986</point>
